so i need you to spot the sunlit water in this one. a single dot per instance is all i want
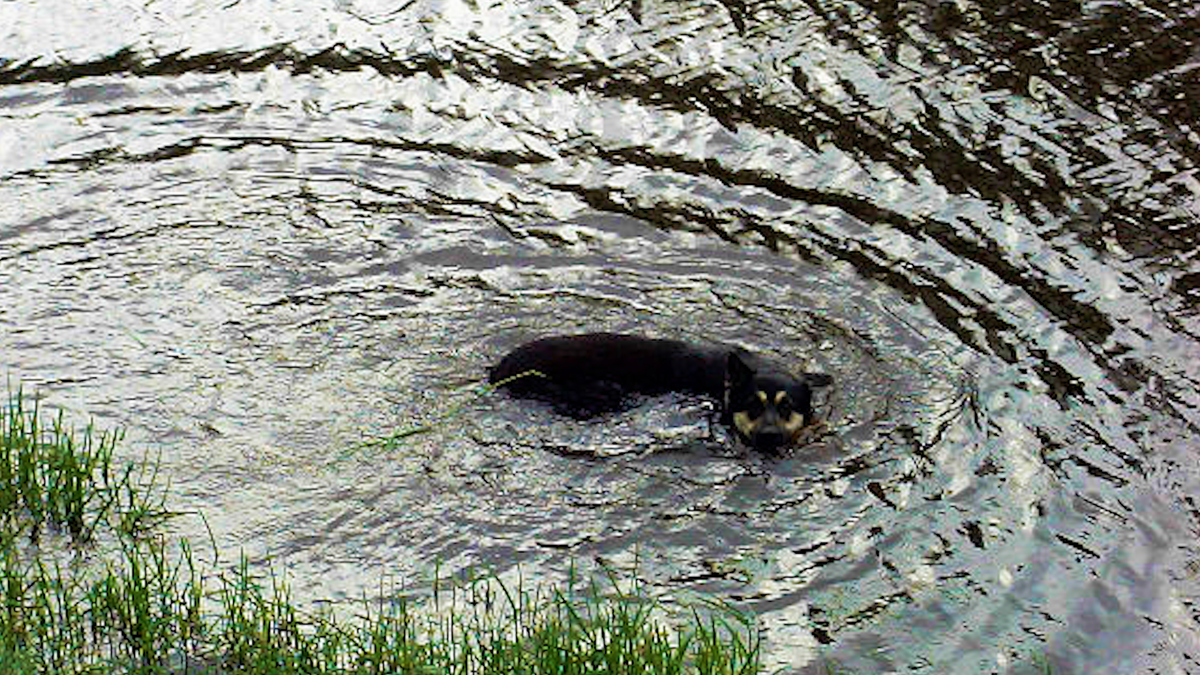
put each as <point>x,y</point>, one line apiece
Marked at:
<point>258,234</point>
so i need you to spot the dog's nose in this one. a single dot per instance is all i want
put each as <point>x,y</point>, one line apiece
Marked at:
<point>768,439</point>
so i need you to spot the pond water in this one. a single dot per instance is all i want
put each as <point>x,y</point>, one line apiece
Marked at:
<point>256,234</point>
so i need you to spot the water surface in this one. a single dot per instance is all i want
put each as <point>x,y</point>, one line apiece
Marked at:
<point>256,234</point>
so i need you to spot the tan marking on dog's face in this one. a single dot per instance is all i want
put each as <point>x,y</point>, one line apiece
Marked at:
<point>744,423</point>
<point>790,425</point>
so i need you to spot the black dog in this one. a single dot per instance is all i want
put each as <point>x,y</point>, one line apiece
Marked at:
<point>583,375</point>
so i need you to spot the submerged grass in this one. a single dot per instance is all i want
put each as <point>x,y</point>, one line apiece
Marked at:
<point>395,439</point>
<point>116,595</point>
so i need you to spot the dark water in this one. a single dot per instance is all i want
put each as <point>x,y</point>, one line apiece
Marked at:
<point>257,233</point>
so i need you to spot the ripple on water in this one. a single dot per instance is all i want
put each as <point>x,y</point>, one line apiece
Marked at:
<point>258,238</point>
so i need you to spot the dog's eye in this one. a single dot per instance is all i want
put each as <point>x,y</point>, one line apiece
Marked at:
<point>784,408</point>
<point>755,407</point>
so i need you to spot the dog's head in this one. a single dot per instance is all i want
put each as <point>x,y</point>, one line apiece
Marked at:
<point>767,406</point>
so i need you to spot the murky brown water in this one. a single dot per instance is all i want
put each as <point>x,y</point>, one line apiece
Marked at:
<point>258,233</point>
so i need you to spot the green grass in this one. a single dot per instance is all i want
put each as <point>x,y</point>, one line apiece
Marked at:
<point>91,585</point>
<point>397,438</point>
<point>53,476</point>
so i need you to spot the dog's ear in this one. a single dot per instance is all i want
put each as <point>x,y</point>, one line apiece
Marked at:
<point>802,400</point>
<point>817,379</point>
<point>739,378</point>
<point>737,373</point>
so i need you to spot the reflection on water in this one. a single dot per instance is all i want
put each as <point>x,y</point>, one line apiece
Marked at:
<point>258,233</point>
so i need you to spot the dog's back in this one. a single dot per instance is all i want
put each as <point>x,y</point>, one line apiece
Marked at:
<point>629,362</point>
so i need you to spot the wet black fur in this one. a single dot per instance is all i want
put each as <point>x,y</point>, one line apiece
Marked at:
<point>589,374</point>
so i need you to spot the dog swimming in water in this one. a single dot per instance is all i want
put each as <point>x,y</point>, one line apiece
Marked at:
<point>593,373</point>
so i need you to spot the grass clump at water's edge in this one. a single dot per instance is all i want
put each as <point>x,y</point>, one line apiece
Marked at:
<point>50,476</point>
<point>89,585</point>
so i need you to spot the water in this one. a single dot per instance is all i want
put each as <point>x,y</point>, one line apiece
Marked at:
<point>256,234</point>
